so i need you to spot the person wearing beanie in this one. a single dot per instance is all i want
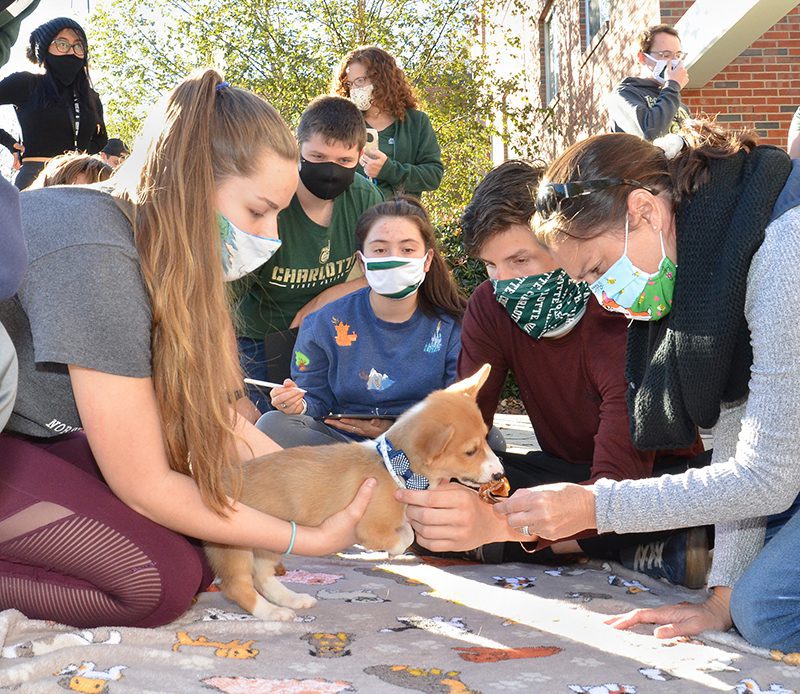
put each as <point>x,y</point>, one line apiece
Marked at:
<point>114,153</point>
<point>58,111</point>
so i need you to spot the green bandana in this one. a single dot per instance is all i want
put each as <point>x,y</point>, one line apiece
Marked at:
<point>542,304</point>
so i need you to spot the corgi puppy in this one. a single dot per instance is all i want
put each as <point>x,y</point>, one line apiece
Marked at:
<point>438,439</point>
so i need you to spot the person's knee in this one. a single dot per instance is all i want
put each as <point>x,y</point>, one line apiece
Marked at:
<point>180,580</point>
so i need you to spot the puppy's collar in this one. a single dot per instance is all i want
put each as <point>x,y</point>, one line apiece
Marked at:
<point>398,465</point>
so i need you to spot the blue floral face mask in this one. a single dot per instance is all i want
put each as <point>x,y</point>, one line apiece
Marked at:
<point>242,252</point>
<point>626,289</point>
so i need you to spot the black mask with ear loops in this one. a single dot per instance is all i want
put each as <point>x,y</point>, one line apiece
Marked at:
<point>65,68</point>
<point>326,179</point>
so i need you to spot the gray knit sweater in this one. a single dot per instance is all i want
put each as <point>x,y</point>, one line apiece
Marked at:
<point>755,469</point>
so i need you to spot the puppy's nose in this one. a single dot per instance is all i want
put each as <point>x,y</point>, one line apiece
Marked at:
<point>496,476</point>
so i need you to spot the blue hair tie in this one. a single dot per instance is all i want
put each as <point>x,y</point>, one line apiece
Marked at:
<point>222,86</point>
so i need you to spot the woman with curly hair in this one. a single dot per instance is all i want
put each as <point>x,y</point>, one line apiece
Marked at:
<point>408,159</point>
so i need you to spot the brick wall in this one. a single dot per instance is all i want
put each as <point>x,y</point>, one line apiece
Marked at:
<point>588,72</point>
<point>761,88</point>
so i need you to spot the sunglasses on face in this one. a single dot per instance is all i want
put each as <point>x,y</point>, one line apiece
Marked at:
<point>551,196</point>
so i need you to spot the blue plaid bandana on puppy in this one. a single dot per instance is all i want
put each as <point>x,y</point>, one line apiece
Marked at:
<point>399,466</point>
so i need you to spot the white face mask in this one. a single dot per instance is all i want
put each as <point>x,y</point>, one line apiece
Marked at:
<point>660,68</point>
<point>362,97</point>
<point>242,252</point>
<point>395,278</point>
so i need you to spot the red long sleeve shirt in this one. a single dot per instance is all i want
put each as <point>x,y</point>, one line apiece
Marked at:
<point>573,387</point>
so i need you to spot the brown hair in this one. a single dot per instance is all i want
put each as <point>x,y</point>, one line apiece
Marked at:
<point>206,135</point>
<point>438,293</point>
<point>504,197</point>
<point>619,155</point>
<point>65,168</point>
<point>391,90</point>
<point>335,118</point>
<point>647,36</point>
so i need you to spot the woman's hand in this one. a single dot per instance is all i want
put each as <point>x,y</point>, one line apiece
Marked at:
<point>18,155</point>
<point>288,398</point>
<point>368,428</point>
<point>372,162</point>
<point>338,531</point>
<point>452,518</point>
<point>551,511</point>
<point>683,619</point>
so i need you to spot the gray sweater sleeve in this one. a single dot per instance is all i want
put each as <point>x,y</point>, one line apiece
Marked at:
<point>13,255</point>
<point>755,471</point>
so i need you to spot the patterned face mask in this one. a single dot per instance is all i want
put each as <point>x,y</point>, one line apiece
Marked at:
<point>546,305</point>
<point>395,278</point>
<point>242,252</point>
<point>362,97</point>
<point>626,289</point>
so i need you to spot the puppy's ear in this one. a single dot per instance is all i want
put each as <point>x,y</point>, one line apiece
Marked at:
<point>430,441</point>
<point>471,385</point>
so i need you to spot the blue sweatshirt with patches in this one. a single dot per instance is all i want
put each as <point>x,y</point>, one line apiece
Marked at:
<point>351,362</point>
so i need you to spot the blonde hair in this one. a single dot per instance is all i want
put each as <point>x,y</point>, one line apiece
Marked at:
<point>208,132</point>
<point>65,168</point>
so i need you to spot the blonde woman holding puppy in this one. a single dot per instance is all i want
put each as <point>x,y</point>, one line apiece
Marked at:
<point>123,332</point>
<point>378,351</point>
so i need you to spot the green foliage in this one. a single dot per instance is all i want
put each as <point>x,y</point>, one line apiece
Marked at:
<point>287,51</point>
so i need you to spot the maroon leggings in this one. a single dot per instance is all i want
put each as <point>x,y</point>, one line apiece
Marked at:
<point>72,552</point>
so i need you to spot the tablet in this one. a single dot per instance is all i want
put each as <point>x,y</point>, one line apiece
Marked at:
<point>360,416</point>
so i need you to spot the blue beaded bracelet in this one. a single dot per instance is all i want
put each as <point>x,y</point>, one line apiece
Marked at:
<point>291,542</point>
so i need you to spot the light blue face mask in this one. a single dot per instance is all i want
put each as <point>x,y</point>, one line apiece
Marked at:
<point>242,252</point>
<point>626,289</point>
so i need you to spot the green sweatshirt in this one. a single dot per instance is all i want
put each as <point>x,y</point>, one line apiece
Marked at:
<point>11,16</point>
<point>414,161</point>
<point>311,258</point>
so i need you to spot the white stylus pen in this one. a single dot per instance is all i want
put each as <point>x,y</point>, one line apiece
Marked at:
<point>267,384</point>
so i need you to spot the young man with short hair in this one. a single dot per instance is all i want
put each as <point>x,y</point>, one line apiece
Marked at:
<point>567,355</point>
<point>318,248</point>
<point>650,105</point>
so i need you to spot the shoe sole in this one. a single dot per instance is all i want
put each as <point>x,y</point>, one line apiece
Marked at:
<point>698,560</point>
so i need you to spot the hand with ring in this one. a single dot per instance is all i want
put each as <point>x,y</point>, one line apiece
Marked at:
<point>288,398</point>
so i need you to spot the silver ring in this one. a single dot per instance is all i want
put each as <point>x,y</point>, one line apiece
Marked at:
<point>284,405</point>
<point>525,530</point>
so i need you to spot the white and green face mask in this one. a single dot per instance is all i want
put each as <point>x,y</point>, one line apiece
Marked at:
<point>395,278</point>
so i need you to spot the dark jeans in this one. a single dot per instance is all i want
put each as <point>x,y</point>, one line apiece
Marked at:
<point>269,359</point>
<point>537,467</point>
<point>27,174</point>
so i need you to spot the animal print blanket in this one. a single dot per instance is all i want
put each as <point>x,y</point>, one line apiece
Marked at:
<point>402,625</point>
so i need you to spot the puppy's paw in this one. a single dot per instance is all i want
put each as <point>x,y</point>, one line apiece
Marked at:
<point>273,613</point>
<point>301,601</point>
<point>405,536</point>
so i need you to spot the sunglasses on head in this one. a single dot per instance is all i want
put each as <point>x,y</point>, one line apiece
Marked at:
<point>550,196</point>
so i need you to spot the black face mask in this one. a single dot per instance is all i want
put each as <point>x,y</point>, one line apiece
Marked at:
<point>326,179</point>
<point>64,68</point>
